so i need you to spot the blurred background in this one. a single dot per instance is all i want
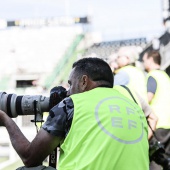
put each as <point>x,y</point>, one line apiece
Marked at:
<point>39,41</point>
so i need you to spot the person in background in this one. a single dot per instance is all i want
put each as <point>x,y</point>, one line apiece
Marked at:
<point>112,61</point>
<point>158,91</point>
<point>97,127</point>
<point>126,59</point>
<point>127,73</point>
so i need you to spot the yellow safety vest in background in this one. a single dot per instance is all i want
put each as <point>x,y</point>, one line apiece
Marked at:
<point>161,101</point>
<point>137,80</point>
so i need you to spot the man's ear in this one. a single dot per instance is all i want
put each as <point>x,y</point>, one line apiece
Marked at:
<point>84,82</point>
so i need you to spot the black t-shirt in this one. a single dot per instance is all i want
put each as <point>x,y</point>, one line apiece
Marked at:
<point>60,117</point>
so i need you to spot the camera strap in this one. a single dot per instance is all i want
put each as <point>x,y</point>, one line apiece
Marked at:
<point>137,104</point>
<point>130,93</point>
<point>53,158</point>
<point>55,98</point>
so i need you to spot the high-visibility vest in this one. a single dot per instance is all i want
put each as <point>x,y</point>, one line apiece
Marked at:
<point>108,132</point>
<point>137,80</point>
<point>161,100</point>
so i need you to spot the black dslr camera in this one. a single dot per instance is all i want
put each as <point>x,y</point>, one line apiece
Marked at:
<point>157,154</point>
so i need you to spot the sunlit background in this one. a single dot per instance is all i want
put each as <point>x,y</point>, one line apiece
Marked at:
<point>40,39</point>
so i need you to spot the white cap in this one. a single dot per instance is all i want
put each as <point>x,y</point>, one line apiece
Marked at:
<point>130,52</point>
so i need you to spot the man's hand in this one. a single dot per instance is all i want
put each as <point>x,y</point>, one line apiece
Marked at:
<point>152,120</point>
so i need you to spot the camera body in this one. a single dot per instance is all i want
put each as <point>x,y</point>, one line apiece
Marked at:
<point>157,154</point>
<point>15,105</point>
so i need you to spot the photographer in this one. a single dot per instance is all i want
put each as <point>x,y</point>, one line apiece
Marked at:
<point>97,127</point>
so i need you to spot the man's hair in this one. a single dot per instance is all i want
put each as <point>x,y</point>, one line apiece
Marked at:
<point>155,55</point>
<point>97,69</point>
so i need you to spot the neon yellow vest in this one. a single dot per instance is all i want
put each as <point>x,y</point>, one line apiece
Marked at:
<point>137,80</point>
<point>108,132</point>
<point>161,101</point>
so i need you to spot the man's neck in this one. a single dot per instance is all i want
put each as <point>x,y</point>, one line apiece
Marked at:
<point>154,67</point>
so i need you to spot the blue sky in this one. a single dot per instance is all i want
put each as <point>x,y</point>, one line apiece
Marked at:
<point>114,19</point>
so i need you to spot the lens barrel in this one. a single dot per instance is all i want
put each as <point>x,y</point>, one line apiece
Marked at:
<point>15,105</point>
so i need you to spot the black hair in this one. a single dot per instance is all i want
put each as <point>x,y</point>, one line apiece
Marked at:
<point>97,69</point>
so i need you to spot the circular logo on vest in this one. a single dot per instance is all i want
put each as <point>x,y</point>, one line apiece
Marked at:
<point>120,119</point>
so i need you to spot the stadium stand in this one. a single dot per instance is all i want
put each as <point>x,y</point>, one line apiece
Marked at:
<point>63,65</point>
<point>32,52</point>
<point>105,49</point>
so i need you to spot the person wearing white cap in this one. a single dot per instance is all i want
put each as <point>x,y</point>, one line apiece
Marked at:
<point>128,74</point>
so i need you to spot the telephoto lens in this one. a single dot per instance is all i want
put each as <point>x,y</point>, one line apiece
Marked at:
<point>15,105</point>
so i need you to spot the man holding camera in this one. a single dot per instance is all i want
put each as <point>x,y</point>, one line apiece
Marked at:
<point>97,127</point>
